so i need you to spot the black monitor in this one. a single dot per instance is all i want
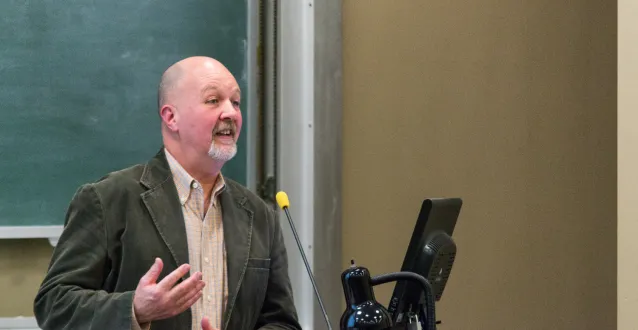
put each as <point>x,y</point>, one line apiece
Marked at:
<point>431,253</point>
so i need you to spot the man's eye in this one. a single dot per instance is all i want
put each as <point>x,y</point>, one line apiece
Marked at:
<point>236,103</point>
<point>212,101</point>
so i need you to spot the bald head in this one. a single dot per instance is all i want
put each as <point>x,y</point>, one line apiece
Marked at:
<point>168,83</point>
<point>187,68</point>
<point>199,106</point>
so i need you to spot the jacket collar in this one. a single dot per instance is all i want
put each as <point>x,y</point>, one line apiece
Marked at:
<point>156,172</point>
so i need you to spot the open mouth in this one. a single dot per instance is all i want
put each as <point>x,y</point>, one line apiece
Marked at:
<point>225,131</point>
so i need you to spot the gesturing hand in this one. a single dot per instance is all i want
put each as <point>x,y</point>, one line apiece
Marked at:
<point>156,301</point>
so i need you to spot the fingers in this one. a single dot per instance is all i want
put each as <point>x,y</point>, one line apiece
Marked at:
<point>169,281</point>
<point>188,303</point>
<point>206,324</point>
<point>186,297</point>
<point>187,288</point>
<point>153,273</point>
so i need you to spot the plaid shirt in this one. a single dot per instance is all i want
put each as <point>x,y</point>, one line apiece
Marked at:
<point>206,250</point>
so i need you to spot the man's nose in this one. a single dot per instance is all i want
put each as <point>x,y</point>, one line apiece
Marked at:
<point>228,110</point>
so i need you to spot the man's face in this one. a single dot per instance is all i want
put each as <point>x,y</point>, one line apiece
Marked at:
<point>209,118</point>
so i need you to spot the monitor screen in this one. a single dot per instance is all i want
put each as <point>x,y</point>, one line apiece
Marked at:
<point>430,253</point>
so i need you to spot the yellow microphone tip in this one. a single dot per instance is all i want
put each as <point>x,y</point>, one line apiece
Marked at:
<point>282,199</point>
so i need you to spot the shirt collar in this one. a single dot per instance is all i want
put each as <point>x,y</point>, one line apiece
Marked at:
<point>184,182</point>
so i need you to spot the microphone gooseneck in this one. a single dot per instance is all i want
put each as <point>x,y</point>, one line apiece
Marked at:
<point>284,203</point>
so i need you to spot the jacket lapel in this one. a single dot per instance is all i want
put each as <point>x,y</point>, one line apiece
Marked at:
<point>238,223</point>
<point>162,202</point>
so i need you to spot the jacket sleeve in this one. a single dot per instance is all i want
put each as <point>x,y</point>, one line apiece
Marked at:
<point>71,294</point>
<point>278,311</point>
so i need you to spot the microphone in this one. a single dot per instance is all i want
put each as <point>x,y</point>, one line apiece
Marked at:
<point>284,203</point>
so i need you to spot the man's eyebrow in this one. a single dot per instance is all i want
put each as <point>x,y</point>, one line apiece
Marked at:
<point>214,88</point>
<point>209,88</point>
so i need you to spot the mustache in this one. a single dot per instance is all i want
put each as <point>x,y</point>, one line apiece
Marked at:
<point>226,125</point>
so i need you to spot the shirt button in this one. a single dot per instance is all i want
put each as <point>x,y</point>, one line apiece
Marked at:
<point>206,259</point>
<point>195,185</point>
<point>210,298</point>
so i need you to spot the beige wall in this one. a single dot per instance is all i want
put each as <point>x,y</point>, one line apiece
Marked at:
<point>22,267</point>
<point>510,105</point>
<point>627,165</point>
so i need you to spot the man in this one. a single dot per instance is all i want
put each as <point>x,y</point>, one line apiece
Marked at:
<point>172,244</point>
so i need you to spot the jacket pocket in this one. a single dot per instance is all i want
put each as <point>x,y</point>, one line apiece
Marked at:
<point>254,287</point>
<point>259,263</point>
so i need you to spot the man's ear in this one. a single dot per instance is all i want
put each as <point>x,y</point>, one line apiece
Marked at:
<point>169,116</point>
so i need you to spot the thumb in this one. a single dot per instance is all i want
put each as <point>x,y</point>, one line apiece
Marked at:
<point>153,273</point>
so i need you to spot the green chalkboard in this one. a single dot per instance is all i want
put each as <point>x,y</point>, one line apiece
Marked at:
<point>78,90</point>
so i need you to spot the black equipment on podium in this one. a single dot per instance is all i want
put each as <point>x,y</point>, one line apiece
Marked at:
<point>426,267</point>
